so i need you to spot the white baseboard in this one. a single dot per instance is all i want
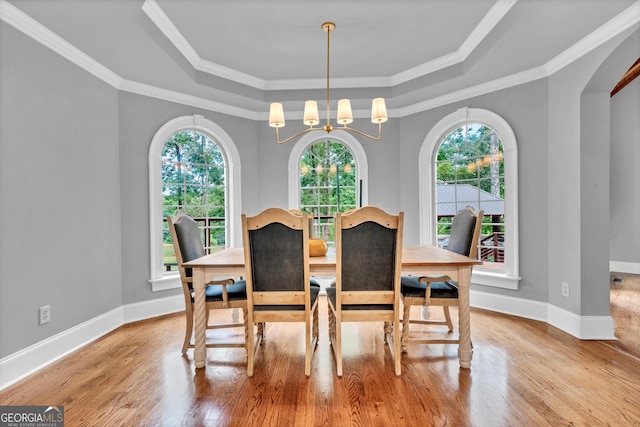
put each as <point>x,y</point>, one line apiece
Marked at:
<point>625,267</point>
<point>582,327</point>
<point>29,360</point>
<point>25,362</point>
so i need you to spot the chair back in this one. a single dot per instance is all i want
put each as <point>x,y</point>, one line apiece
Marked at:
<point>368,255</point>
<point>465,231</point>
<point>187,243</point>
<point>276,245</point>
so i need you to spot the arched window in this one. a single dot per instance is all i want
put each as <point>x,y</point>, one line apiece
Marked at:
<point>194,181</point>
<point>470,158</point>
<point>194,167</point>
<point>327,175</point>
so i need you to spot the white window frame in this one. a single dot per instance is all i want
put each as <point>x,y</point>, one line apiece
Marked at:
<point>359,155</point>
<point>509,279</point>
<point>162,280</point>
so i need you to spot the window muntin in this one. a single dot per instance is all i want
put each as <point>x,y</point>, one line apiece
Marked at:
<point>194,177</point>
<point>469,169</point>
<point>328,184</point>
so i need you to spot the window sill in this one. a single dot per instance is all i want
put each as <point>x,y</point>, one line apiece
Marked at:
<point>166,282</point>
<point>495,279</point>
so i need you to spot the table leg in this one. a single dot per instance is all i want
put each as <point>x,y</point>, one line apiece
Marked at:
<point>465,350</point>
<point>200,350</point>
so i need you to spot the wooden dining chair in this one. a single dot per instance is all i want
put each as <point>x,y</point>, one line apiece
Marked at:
<point>220,294</point>
<point>368,245</point>
<point>276,253</point>
<point>440,290</point>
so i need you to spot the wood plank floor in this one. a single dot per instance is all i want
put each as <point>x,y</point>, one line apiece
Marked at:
<point>625,310</point>
<point>524,373</point>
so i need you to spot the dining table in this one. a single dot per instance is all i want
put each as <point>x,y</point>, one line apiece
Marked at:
<point>419,260</point>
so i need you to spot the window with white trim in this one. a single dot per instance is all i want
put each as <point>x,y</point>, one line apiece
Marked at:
<point>328,184</point>
<point>194,166</point>
<point>194,182</point>
<point>473,149</point>
<point>470,172</point>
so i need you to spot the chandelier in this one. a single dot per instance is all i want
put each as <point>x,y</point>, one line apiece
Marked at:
<point>344,116</point>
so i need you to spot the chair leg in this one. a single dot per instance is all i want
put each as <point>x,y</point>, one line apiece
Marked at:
<point>316,326</point>
<point>405,327</point>
<point>396,347</point>
<point>307,347</point>
<point>247,335</point>
<point>447,317</point>
<point>334,340</point>
<point>188,332</point>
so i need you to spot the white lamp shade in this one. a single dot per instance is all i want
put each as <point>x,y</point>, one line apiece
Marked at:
<point>345,116</point>
<point>378,111</point>
<point>276,115</point>
<point>311,117</point>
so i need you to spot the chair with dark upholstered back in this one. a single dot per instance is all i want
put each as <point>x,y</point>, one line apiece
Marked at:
<point>440,290</point>
<point>220,294</point>
<point>367,289</point>
<point>276,253</point>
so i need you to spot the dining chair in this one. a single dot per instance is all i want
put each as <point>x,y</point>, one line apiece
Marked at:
<point>223,293</point>
<point>368,243</point>
<point>440,290</point>
<point>276,253</point>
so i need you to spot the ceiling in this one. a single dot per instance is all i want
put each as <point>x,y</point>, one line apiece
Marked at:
<point>236,56</point>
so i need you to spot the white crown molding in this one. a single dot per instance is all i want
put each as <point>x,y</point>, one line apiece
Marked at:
<point>38,32</point>
<point>484,27</point>
<point>186,99</point>
<point>626,20</point>
<point>153,10</point>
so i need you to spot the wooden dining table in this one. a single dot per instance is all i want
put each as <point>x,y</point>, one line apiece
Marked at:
<point>416,260</point>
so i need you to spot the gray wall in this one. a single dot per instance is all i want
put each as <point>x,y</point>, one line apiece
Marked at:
<point>140,117</point>
<point>59,193</point>
<point>74,187</point>
<point>625,174</point>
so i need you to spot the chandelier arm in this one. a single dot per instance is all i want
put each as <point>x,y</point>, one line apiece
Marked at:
<point>362,133</point>
<point>296,135</point>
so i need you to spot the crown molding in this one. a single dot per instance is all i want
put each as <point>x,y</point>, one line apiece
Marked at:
<point>484,27</point>
<point>38,32</point>
<point>624,21</point>
<point>629,19</point>
<point>153,10</point>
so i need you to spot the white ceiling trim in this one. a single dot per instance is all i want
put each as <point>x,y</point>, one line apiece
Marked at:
<point>38,32</point>
<point>166,26</point>
<point>484,27</point>
<point>626,20</point>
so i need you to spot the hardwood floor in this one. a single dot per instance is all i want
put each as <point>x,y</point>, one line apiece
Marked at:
<point>625,310</point>
<point>523,373</point>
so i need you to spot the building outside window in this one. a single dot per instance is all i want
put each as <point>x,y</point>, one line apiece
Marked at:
<point>470,172</point>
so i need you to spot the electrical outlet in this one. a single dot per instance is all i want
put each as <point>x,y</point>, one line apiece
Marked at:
<point>565,289</point>
<point>45,314</point>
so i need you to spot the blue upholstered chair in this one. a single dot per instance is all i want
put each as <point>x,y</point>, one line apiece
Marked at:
<point>440,290</point>
<point>367,288</point>
<point>276,252</point>
<point>220,294</point>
